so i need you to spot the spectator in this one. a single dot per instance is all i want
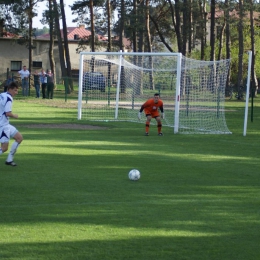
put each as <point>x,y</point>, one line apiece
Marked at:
<point>50,84</point>
<point>8,81</point>
<point>24,73</point>
<point>36,77</point>
<point>43,79</point>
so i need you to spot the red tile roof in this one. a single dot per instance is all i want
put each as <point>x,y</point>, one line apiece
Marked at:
<point>83,33</point>
<point>8,35</point>
<point>234,13</point>
<point>80,31</point>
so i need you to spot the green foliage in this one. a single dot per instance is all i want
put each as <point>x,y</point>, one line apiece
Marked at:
<point>235,52</point>
<point>70,198</point>
<point>38,32</point>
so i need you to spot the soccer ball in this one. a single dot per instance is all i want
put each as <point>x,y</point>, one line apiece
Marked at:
<point>134,175</point>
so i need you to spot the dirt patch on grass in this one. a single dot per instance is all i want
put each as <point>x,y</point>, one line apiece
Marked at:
<point>58,103</point>
<point>67,126</point>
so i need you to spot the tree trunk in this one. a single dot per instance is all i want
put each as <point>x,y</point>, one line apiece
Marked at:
<point>190,40</point>
<point>212,30</point>
<point>30,16</point>
<point>160,34</point>
<point>51,46</point>
<point>68,81</point>
<point>109,43</point>
<point>203,28</point>
<point>240,46</point>
<point>122,25</point>
<point>140,43</point>
<point>135,28</point>
<point>185,15</point>
<point>121,43</point>
<point>228,42</point>
<point>60,44</point>
<point>254,81</point>
<point>149,43</point>
<point>91,8</point>
<point>221,37</point>
<point>177,23</point>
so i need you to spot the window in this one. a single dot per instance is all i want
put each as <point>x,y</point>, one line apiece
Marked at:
<point>16,65</point>
<point>75,73</point>
<point>37,64</point>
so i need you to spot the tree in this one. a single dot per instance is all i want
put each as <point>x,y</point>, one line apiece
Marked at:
<point>66,47</point>
<point>122,25</point>
<point>109,43</point>
<point>38,31</point>
<point>134,25</point>
<point>60,44</point>
<point>185,26</point>
<point>161,19</point>
<point>30,14</point>
<point>25,9</point>
<point>50,14</point>
<point>149,43</point>
<point>252,36</point>
<point>202,22</point>
<point>121,43</point>
<point>228,43</point>
<point>82,8</point>
<point>212,29</point>
<point>241,44</point>
<point>176,22</point>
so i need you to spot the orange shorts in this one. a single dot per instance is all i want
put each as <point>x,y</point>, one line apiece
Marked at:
<point>153,114</point>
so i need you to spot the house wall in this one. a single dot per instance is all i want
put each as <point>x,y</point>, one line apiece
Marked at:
<point>41,53</point>
<point>10,50</point>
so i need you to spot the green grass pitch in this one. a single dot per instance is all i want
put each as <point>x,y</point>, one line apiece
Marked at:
<point>70,198</point>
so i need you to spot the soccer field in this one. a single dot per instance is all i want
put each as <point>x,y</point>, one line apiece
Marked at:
<point>70,197</point>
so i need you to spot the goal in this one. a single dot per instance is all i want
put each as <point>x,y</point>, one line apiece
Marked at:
<point>114,85</point>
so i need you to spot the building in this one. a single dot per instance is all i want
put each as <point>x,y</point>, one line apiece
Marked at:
<point>14,55</point>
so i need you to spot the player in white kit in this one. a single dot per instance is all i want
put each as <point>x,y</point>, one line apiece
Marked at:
<point>8,131</point>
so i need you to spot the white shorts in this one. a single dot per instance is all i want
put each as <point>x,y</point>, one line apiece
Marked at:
<point>6,132</point>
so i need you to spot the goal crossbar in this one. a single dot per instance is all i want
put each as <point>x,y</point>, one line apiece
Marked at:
<point>113,86</point>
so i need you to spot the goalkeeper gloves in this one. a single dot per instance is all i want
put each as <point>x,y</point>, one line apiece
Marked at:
<point>162,115</point>
<point>139,115</point>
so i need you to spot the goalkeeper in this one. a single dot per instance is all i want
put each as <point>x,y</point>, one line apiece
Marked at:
<point>150,108</point>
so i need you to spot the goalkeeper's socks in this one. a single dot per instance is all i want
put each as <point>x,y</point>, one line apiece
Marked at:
<point>1,151</point>
<point>159,128</point>
<point>147,125</point>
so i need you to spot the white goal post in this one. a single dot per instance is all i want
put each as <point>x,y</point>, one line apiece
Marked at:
<point>114,85</point>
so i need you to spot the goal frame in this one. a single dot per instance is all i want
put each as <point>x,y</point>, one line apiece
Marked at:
<point>120,55</point>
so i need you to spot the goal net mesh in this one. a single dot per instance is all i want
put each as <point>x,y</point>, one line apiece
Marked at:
<point>114,86</point>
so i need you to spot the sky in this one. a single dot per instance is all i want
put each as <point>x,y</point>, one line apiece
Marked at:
<point>42,6</point>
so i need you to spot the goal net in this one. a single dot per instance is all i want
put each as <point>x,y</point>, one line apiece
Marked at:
<point>113,86</point>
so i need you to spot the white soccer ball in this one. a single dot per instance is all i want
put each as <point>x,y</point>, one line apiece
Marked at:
<point>134,175</point>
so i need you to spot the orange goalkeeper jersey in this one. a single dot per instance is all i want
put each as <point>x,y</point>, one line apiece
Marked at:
<point>151,108</point>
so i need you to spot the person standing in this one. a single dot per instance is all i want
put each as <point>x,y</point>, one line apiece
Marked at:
<point>6,130</point>
<point>151,107</point>
<point>24,73</point>
<point>36,77</point>
<point>8,81</point>
<point>50,84</point>
<point>43,80</point>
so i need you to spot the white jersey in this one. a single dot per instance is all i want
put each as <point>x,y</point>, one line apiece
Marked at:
<point>24,73</point>
<point>6,102</point>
